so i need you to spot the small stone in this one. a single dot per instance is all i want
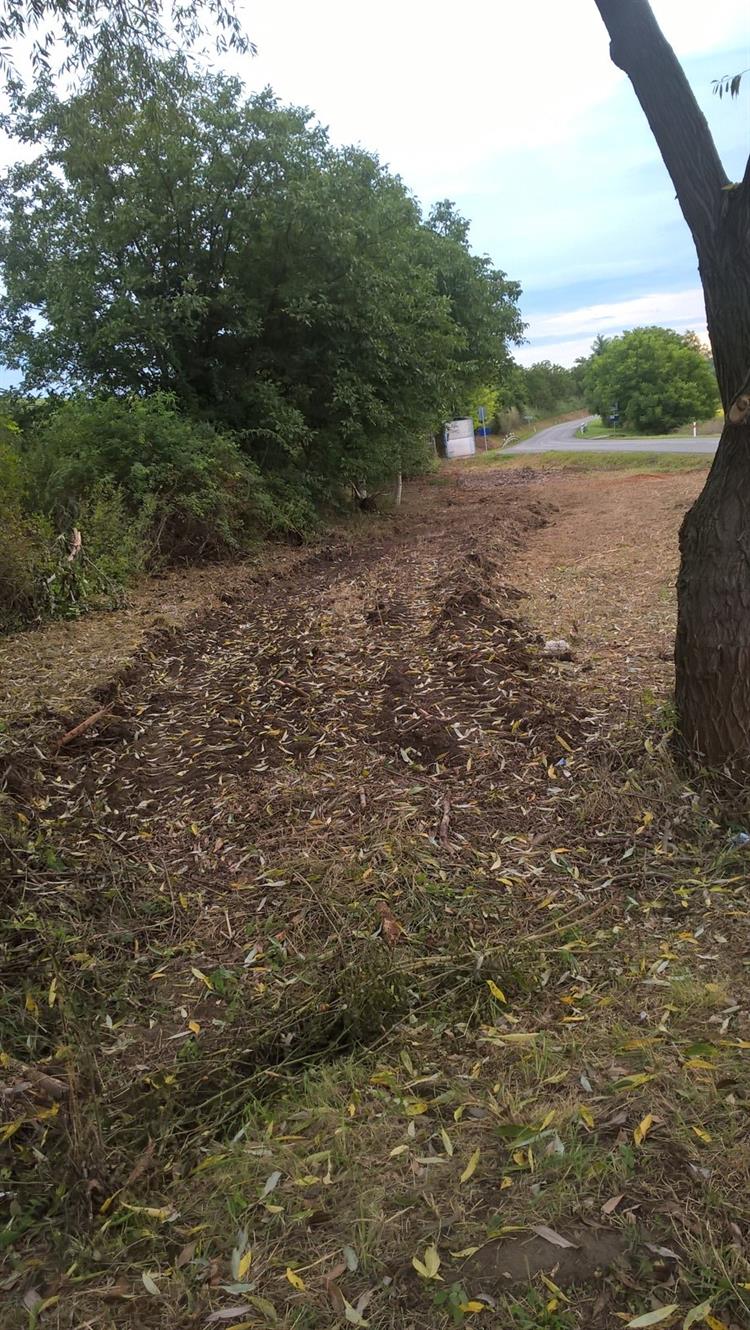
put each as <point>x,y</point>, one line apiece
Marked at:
<point>558,649</point>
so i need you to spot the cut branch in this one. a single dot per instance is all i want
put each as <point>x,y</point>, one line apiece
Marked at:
<point>445,822</point>
<point>86,724</point>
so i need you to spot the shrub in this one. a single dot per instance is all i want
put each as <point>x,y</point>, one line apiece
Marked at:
<point>114,542</point>
<point>26,560</point>
<point>138,480</point>
<point>25,544</point>
<point>183,485</point>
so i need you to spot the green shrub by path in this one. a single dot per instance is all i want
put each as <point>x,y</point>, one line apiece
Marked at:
<point>141,483</point>
<point>26,545</point>
<point>26,557</point>
<point>190,480</point>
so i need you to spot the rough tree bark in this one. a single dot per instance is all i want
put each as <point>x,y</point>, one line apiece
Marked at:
<point>712,650</point>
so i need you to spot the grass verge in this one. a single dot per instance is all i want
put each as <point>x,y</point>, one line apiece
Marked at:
<point>594,461</point>
<point>597,429</point>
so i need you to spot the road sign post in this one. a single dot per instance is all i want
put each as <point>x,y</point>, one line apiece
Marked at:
<point>483,423</point>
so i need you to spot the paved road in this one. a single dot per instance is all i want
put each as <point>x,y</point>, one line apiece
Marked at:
<point>562,438</point>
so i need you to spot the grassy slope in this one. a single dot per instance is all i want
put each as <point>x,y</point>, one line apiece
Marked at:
<point>597,429</point>
<point>399,1023</point>
<point>593,461</point>
<point>528,431</point>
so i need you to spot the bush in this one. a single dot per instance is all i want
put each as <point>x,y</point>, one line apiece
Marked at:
<point>25,545</point>
<point>140,482</point>
<point>26,560</point>
<point>114,542</point>
<point>183,486</point>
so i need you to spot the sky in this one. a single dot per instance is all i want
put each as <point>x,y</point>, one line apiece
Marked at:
<point>514,110</point>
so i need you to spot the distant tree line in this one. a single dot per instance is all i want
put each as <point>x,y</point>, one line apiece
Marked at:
<point>654,378</point>
<point>522,393</point>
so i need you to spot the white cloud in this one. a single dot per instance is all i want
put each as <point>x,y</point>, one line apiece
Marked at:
<point>668,308</point>
<point>562,338</point>
<point>560,353</point>
<point>442,90</point>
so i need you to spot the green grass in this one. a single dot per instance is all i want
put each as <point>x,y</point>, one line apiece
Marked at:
<point>575,461</point>
<point>596,429</point>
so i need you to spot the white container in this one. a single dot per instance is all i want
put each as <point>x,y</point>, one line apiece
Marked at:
<point>459,438</point>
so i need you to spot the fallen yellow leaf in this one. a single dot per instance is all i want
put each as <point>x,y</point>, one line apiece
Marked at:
<point>470,1167</point>
<point>643,1129</point>
<point>496,991</point>
<point>702,1134</point>
<point>429,1266</point>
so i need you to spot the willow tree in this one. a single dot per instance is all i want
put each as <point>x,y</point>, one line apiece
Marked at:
<point>712,652</point>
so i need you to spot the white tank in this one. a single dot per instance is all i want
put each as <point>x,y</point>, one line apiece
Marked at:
<point>459,438</point>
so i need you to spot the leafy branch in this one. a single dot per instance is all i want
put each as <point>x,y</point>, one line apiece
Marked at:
<point>729,84</point>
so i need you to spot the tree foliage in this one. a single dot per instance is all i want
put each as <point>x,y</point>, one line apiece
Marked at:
<point>550,389</point>
<point>658,378</point>
<point>218,248</point>
<point>729,84</point>
<point>113,30</point>
<point>232,320</point>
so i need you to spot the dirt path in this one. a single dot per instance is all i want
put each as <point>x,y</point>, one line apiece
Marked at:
<point>354,664</point>
<point>602,573</point>
<point>360,927</point>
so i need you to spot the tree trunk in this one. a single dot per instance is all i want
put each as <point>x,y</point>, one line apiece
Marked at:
<point>712,650</point>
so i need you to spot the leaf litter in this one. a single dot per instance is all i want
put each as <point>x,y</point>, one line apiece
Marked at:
<point>347,943</point>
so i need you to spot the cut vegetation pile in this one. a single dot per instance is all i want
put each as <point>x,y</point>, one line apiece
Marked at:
<point>361,967</point>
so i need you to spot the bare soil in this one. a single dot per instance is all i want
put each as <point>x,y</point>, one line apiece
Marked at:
<point>602,574</point>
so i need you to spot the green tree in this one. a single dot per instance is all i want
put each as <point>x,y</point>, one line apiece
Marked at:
<point>582,364</point>
<point>550,388</point>
<point>511,388</point>
<point>111,30</point>
<point>218,248</point>
<point>483,303</point>
<point>658,378</point>
<point>712,655</point>
<point>489,399</point>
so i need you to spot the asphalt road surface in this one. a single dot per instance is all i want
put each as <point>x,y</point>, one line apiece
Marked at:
<point>562,439</point>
